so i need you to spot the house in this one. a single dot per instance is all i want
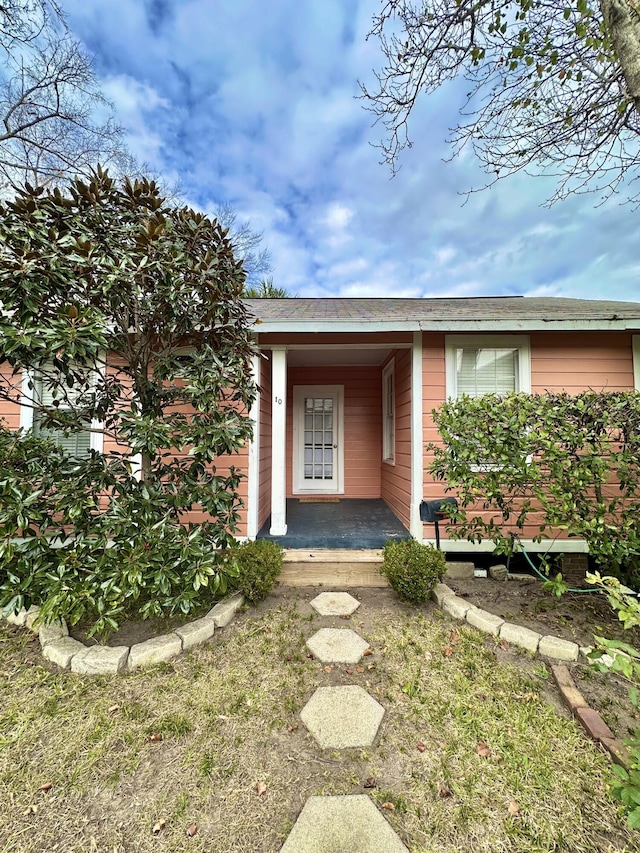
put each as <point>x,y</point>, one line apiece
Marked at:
<point>347,388</point>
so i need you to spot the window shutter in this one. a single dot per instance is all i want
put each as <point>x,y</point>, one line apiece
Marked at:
<point>486,371</point>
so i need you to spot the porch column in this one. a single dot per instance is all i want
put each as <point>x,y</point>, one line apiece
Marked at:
<point>278,442</point>
<point>253,486</point>
<point>417,438</point>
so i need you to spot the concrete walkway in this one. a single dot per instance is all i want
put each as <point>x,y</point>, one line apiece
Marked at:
<point>341,718</point>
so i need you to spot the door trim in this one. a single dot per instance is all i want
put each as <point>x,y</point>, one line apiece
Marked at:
<point>299,393</point>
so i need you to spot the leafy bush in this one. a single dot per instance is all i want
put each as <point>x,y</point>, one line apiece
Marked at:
<point>573,461</point>
<point>87,541</point>
<point>259,563</point>
<point>412,569</point>
<point>625,660</point>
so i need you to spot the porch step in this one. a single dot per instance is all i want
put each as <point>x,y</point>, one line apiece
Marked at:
<point>332,567</point>
<point>345,567</point>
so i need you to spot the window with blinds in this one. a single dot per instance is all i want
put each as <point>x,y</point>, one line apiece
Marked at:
<point>74,442</point>
<point>485,370</point>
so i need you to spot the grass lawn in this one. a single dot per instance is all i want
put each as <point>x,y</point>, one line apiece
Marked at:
<point>472,754</point>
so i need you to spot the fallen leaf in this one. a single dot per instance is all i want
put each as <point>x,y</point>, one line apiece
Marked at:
<point>525,697</point>
<point>359,669</point>
<point>261,788</point>
<point>454,637</point>
<point>46,786</point>
<point>448,651</point>
<point>389,807</point>
<point>156,737</point>
<point>349,671</point>
<point>367,652</point>
<point>445,791</point>
<point>483,750</point>
<point>420,746</point>
<point>371,666</point>
<point>370,783</point>
<point>30,810</point>
<point>159,826</point>
<point>191,829</point>
<point>328,669</point>
<point>428,656</point>
<point>114,709</point>
<point>514,808</point>
<point>503,645</point>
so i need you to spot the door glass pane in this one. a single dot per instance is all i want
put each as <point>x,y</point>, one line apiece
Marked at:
<point>318,438</point>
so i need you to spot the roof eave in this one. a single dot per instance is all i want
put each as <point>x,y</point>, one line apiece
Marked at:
<point>489,325</point>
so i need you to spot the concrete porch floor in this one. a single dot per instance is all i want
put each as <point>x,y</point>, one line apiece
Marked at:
<point>351,524</point>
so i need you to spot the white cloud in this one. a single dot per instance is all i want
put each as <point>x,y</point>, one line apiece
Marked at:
<point>256,107</point>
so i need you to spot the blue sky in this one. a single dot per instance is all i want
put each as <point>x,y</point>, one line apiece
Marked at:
<point>254,104</point>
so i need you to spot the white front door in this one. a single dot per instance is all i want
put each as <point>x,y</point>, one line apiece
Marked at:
<point>318,452</point>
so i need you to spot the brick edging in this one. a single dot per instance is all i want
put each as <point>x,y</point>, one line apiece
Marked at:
<point>548,646</point>
<point>591,720</point>
<point>61,649</point>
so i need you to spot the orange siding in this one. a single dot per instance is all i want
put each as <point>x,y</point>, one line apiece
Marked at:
<point>560,361</point>
<point>10,416</point>
<point>433,395</point>
<point>579,361</point>
<point>10,411</point>
<point>396,477</point>
<point>264,464</point>
<point>362,424</point>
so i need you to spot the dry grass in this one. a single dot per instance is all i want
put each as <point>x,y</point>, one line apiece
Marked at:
<point>228,716</point>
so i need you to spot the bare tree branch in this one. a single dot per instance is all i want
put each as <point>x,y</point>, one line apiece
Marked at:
<point>54,120</point>
<point>552,88</point>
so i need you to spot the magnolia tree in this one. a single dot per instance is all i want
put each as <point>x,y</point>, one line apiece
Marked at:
<point>121,320</point>
<point>572,461</point>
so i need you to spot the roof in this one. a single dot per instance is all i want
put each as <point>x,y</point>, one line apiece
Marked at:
<point>485,313</point>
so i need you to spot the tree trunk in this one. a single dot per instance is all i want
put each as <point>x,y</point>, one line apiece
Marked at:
<point>623,24</point>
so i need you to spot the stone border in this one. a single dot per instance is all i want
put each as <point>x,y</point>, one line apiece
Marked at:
<point>548,646</point>
<point>525,638</point>
<point>67,653</point>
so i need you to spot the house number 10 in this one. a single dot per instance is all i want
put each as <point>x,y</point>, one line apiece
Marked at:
<point>278,400</point>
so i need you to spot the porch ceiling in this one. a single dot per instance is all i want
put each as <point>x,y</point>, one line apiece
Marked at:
<point>337,356</point>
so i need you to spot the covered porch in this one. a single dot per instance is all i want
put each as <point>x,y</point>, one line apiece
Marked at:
<point>350,524</point>
<point>337,459</point>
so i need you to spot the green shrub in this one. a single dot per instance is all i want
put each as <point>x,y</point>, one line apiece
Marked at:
<point>259,564</point>
<point>412,569</point>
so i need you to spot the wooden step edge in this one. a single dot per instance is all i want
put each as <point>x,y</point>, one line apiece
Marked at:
<point>327,555</point>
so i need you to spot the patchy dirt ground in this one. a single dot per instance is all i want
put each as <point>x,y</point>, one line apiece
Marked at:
<point>188,743</point>
<point>573,616</point>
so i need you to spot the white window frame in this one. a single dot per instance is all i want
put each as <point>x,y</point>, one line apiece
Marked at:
<point>519,342</point>
<point>389,413</point>
<point>96,441</point>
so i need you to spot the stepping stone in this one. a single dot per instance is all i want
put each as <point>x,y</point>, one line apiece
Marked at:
<point>342,825</point>
<point>335,604</point>
<point>337,645</point>
<point>342,717</point>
